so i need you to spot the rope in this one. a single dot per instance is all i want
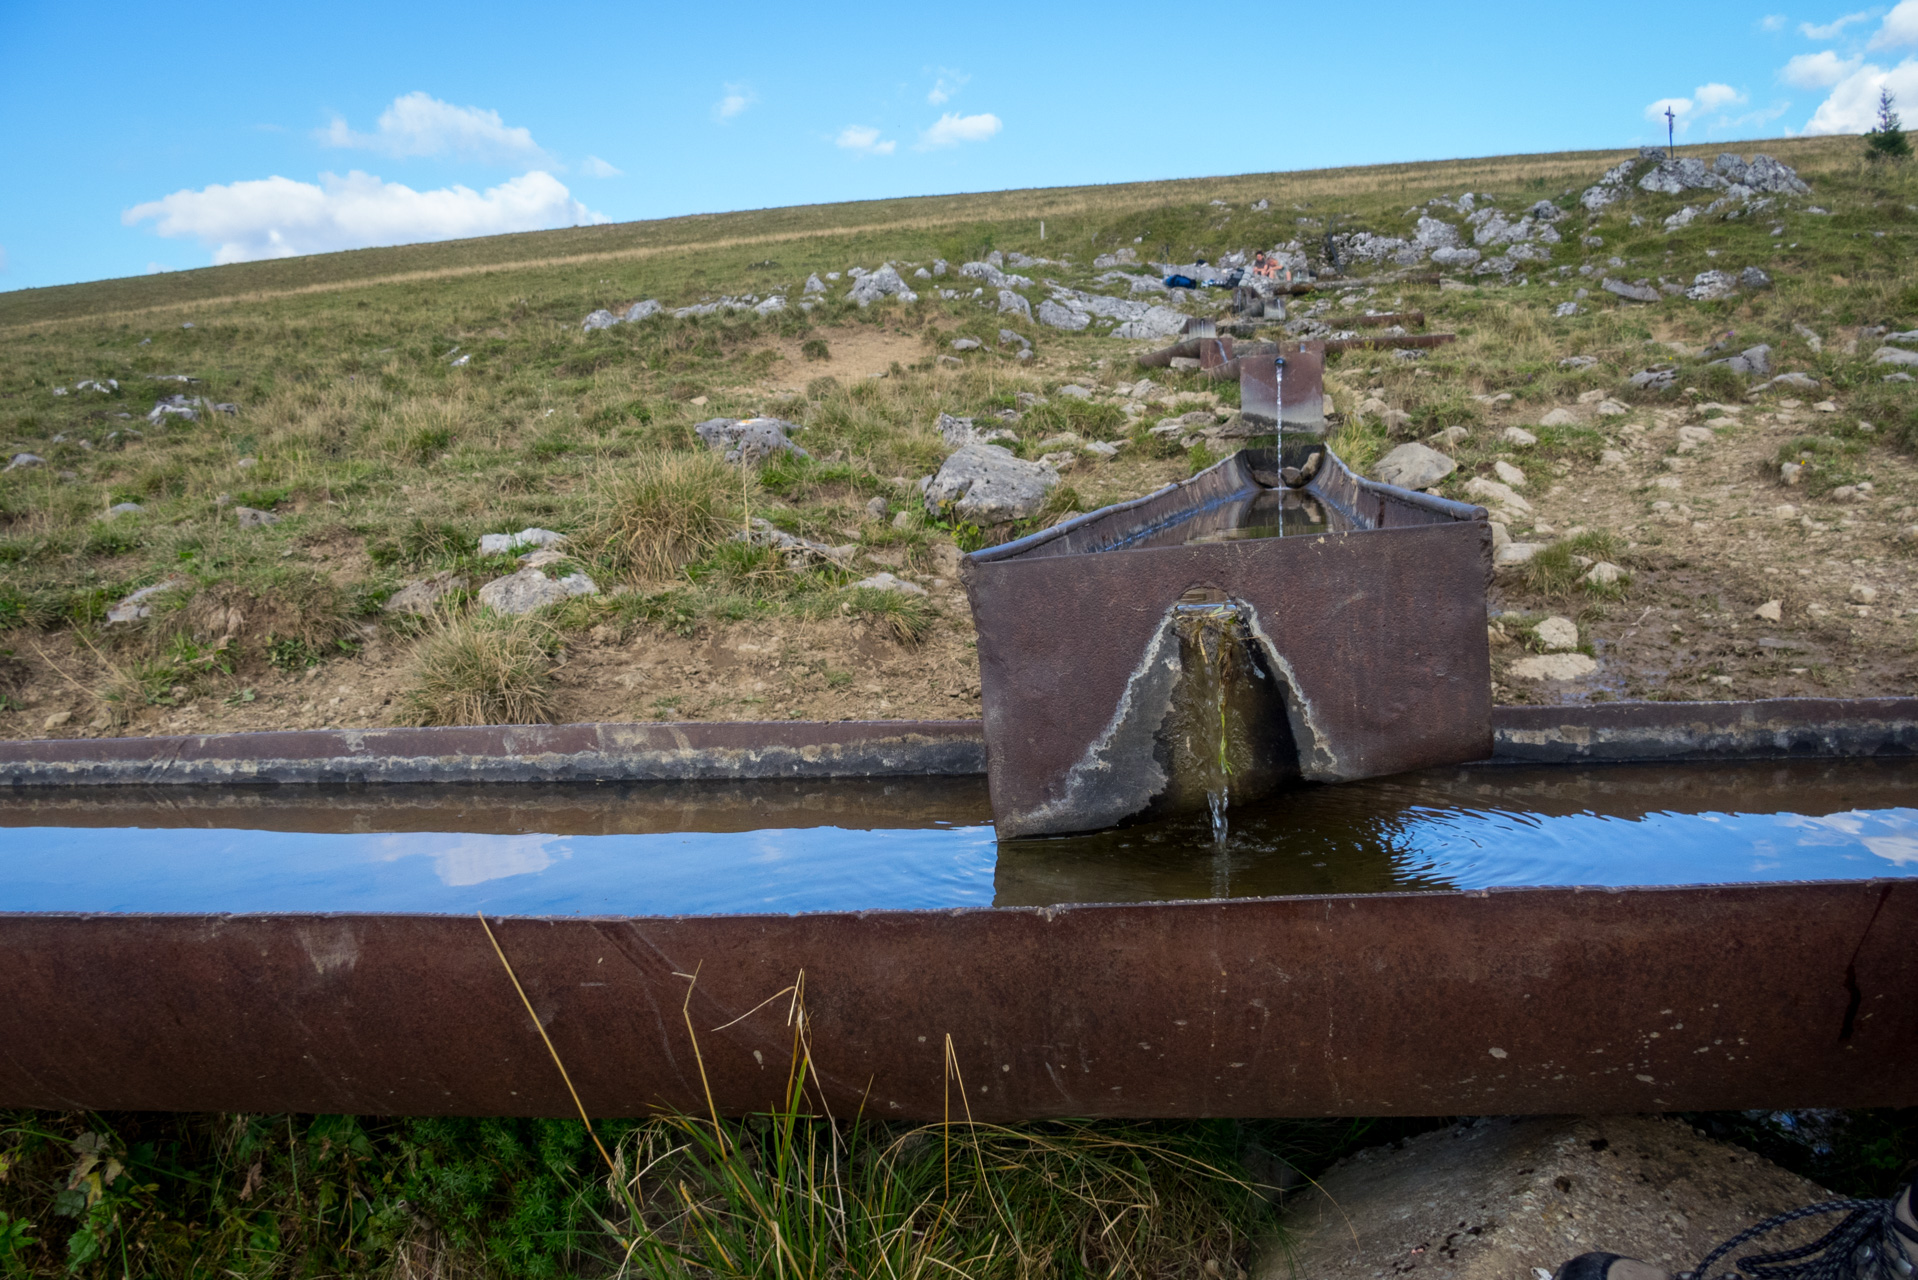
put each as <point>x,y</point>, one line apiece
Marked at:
<point>1855,1249</point>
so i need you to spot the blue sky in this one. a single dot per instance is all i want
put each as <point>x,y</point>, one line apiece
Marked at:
<point>146,137</point>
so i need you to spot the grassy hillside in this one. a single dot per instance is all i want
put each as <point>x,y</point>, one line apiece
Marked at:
<point>384,459</point>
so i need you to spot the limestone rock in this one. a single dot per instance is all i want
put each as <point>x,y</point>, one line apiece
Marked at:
<point>1508,474</point>
<point>1770,611</point>
<point>749,440</point>
<point>1559,418</point>
<point>139,604</point>
<point>802,553</point>
<point>419,596</point>
<point>1557,634</point>
<point>529,589</point>
<point>814,284</point>
<point>883,283</point>
<point>1884,355</point>
<point>1455,257</point>
<point>119,509</point>
<point>22,461</point>
<point>1495,1199</point>
<point>1492,493</point>
<point>887,582</point>
<point>1752,361</point>
<point>1058,317</point>
<point>1519,436</point>
<point>58,720</point>
<point>505,544</point>
<point>1450,438</point>
<point>601,319</point>
<point>1710,285</point>
<point>984,484</point>
<point>1630,292</point>
<point>1603,574</point>
<point>1609,408</point>
<point>254,518</point>
<point>1553,666</point>
<point>1414,466</point>
<point>640,310</point>
<point>1013,303</point>
<point>1157,322</point>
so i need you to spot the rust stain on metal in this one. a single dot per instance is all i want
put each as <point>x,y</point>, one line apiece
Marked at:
<point>1509,1002</point>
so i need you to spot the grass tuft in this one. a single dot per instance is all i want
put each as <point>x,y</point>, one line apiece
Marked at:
<point>666,509</point>
<point>482,669</point>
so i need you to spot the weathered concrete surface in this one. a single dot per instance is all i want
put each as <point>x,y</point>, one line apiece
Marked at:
<point>1504,1199</point>
<point>1708,730</point>
<point>1616,731</point>
<point>510,753</point>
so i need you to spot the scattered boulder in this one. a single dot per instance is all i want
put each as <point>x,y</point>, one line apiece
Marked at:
<point>883,283</point>
<point>1752,362</point>
<point>529,589</point>
<point>1450,438</point>
<point>1558,634</point>
<point>966,344</point>
<point>420,596</point>
<point>984,484</point>
<point>887,582</point>
<point>1519,437</point>
<point>1073,391</point>
<point>254,518</point>
<point>1013,303</point>
<point>1558,418</point>
<point>1659,377</point>
<point>1519,1197</point>
<point>1629,292</point>
<point>1456,257</point>
<point>801,553</point>
<point>504,544</point>
<point>749,440</point>
<point>58,720</point>
<point>601,319</point>
<point>1884,355</point>
<point>1708,286</point>
<point>1754,278</point>
<point>1058,317</point>
<point>1157,322</point>
<point>1770,611</point>
<point>1553,666</point>
<point>1508,474</point>
<point>132,608</point>
<point>1414,466</point>
<point>1603,573</point>
<point>1578,362</point>
<point>119,509</point>
<point>22,461</point>
<point>814,284</point>
<point>1495,494</point>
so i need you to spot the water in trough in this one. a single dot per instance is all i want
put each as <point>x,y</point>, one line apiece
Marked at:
<point>669,849</point>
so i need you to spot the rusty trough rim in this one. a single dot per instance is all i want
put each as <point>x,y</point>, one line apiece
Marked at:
<point>1614,732</point>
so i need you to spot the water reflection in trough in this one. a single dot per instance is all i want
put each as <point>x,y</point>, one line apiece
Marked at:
<point>718,849</point>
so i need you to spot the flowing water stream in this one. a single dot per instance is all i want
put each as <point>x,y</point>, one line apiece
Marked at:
<point>669,849</point>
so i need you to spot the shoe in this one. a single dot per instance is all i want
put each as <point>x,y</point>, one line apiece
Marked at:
<point>1878,1240</point>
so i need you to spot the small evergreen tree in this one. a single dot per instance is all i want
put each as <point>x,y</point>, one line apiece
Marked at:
<point>1886,140</point>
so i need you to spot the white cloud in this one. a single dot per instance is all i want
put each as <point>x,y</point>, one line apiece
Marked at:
<point>864,138</point>
<point>1772,22</point>
<point>1818,70</point>
<point>738,98</point>
<point>597,168</point>
<point>948,83</point>
<point>952,129</point>
<point>1852,106</point>
<point>1681,109</point>
<point>420,125</point>
<point>280,218</point>
<point>1705,98</point>
<point>1830,30</point>
<point>1899,28</point>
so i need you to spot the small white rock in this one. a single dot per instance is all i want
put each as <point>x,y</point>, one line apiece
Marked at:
<point>1517,436</point>
<point>1770,611</point>
<point>1508,473</point>
<point>1557,634</point>
<point>1553,666</point>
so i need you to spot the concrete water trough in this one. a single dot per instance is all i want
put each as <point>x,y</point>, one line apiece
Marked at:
<point>1410,996</point>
